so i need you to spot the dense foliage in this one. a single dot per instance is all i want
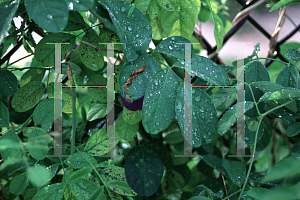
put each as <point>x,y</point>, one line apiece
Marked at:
<point>153,126</point>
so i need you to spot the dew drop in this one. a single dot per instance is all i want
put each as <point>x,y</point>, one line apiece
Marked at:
<point>170,47</point>
<point>49,16</point>
<point>129,28</point>
<point>123,9</point>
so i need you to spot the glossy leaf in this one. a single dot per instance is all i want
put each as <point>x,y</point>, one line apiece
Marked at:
<point>280,170</point>
<point>100,94</point>
<point>97,143</point>
<point>134,34</point>
<point>288,77</point>
<point>159,101</point>
<point>206,69</point>
<point>204,119</point>
<point>4,115</point>
<point>281,192</point>
<point>180,22</point>
<point>98,194</point>
<point>81,173</point>
<point>283,3</point>
<point>45,53</point>
<point>166,4</point>
<point>98,11</point>
<point>8,82</point>
<point>255,71</point>
<point>88,55</point>
<point>236,171</point>
<point>218,97</point>
<point>230,116</point>
<point>293,130</point>
<point>256,192</point>
<point>38,175</point>
<point>286,93</point>
<point>75,68</point>
<point>32,75</point>
<point>80,5</point>
<point>80,160</point>
<point>51,192</point>
<point>266,86</point>
<point>293,54</point>
<point>97,112</point>
<point>10,146</point>
<point>132,117</point>
<point>124,130</point>
<point>18,184</point>
<point>51,15</point>
<point>44,112</point>
<point>28,96</point>
<point>67,97</point>
<point>171,47</point>
<point>75,21</point>
<point>82,189</point>
<point>138,87</point>
<point>215,162</point>
<point>115,177</point>
<point>199,198</point>
<point>144,170</point>
<point>6,16</point>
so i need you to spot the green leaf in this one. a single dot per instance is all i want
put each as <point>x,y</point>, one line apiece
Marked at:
<point>180,22</point>
<point>144,170</point>
<point>98,11</point>
<point>37,144</point>
<point>51,192</point>
<point>250,131</point>
<point>75,21</point>
<point>75,68</point>
<point>230,116</point>
<point>81,173</point>
<point>215,162</point>
<point>124,130</point>
<point>88,55</point>
<point>199,198</point>
<point>97,143</point>
<point>10,146</point>
<point>236,171</point>
<point>44,112</point>
<point>26,46</point>
<point>166,4</point>
<point>204,120</point>
<point>8,82</point>
<point>134,34</point>
<point>255,71</point>
<point>206,69</point>
<point>50,15</point>
<point>257,192</point>
<point>18,184</point>
<point>283,3</point>
<point>97,112</point>
<point>132,117</point>
<point>28,96</point>
<point>4,115</point>
<point>159,101</point>
<point>205,12</point>
<point>38,175</point>
<point>218,25</point>
<point>171,47</point>
<point>45,53</point>
<point>138,87</point>
<point>82,189</point>
<point>76,5</point>
<point>143,5</point>
<point>81,160</point>
<point>281,192</point>
<point>293,54</point>
<point>293,129</point>
<point>285,93</point>
<point>67,97</point>
<point>115,177</point>
<point>98,194</point>
<point>100,94</point>
<point>6,16</point>
<point>32,75</point>
<point>286,168</point>
<point>218,96</point>
<point>266,86</point>
<point>288,77</point>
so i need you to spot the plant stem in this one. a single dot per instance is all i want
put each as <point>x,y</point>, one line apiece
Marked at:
<point>256,105</point>
<point>255,141</point>
<point>73,122</point>
<point>274,60</point>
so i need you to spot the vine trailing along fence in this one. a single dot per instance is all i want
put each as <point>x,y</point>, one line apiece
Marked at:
<point>105,111</point>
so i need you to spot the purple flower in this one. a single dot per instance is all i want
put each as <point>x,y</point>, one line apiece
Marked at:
<point>135,105</point>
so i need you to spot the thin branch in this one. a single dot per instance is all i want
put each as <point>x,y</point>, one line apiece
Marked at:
<point>18,60</point>
<point>11,52</point>
<point>225,186</point>
<point>99,49</point>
